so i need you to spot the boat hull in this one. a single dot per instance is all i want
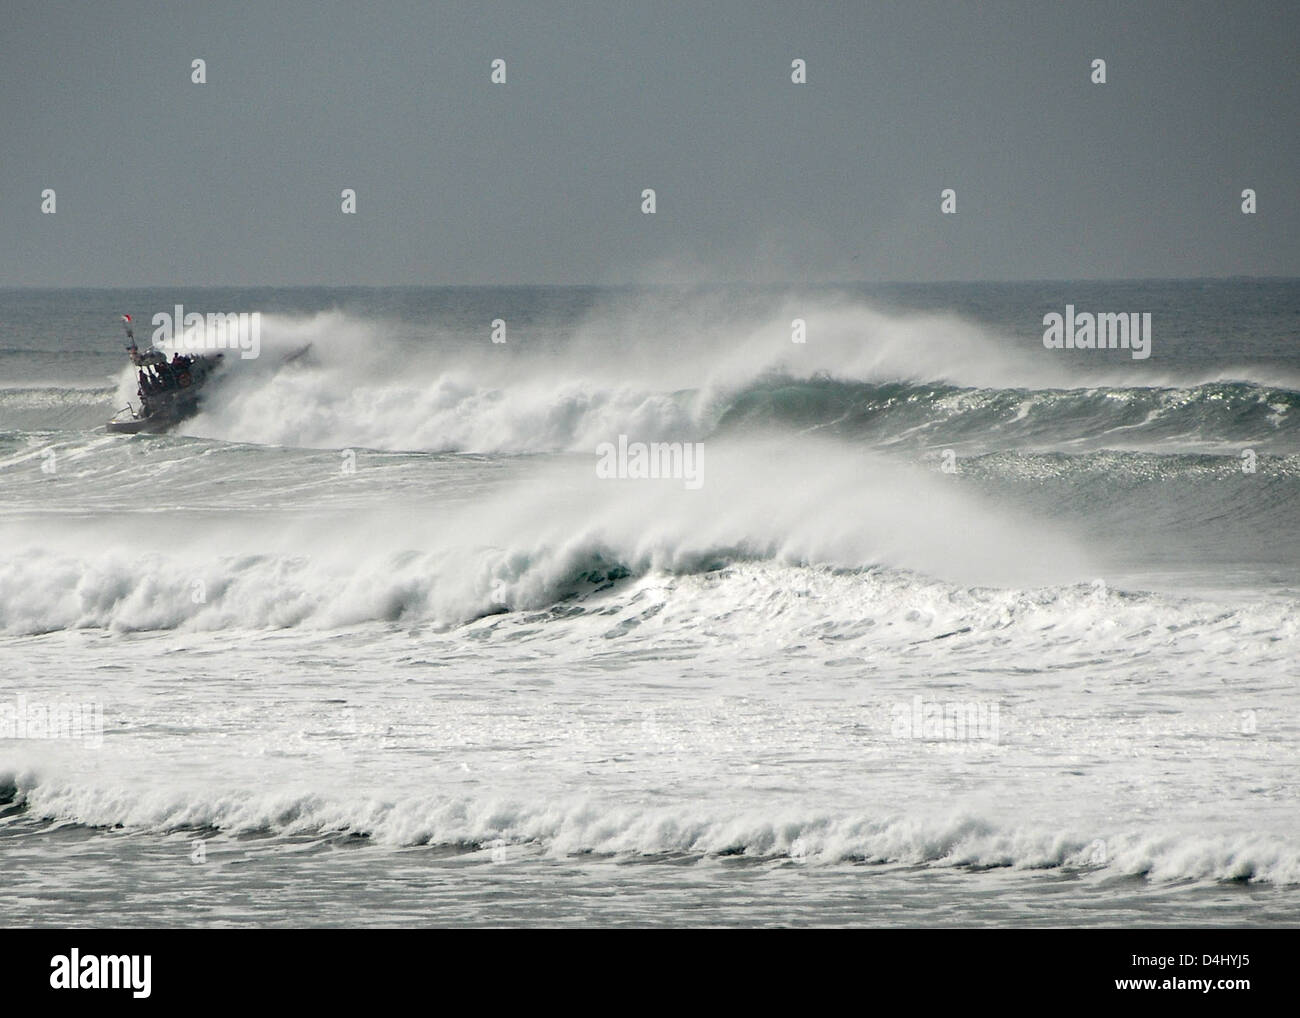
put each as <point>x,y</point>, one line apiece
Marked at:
<point>164,410</point>
<point>133,427</point>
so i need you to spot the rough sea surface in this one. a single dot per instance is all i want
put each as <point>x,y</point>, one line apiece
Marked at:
<point>954,629</point>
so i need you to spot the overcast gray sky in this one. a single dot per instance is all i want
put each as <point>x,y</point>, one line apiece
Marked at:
<point>237,181</point>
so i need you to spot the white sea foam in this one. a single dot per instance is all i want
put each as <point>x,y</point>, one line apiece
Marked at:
<point>650,373</point>
<point>581,826</point>
<point>813,503</point>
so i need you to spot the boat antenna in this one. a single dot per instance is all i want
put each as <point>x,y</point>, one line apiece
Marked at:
<point>132,351</point>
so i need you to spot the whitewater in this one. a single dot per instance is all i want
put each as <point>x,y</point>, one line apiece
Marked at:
<point>958,630</point>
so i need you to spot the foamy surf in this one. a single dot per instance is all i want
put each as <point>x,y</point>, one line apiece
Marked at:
<point>584,828</point>
<point>928,624</point>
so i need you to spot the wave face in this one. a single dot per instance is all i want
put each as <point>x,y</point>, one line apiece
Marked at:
<point>462,414</point>
<point>534,542</point>
<point>1219,415</point>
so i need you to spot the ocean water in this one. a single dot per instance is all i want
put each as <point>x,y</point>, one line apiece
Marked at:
<point>940,627</point>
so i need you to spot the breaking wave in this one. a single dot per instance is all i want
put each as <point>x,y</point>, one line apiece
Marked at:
<point>329,381</point>
<point>561,829</point>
